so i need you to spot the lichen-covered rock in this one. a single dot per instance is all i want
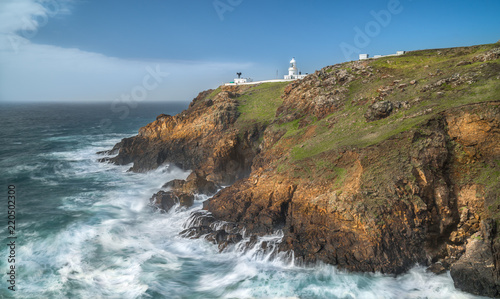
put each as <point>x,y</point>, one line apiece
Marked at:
<point>379,110</point>
<point>488,56</point>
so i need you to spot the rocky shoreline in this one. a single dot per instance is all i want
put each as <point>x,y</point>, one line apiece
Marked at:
<point>372,166</point>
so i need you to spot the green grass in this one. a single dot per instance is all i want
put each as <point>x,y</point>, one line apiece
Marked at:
<point>488,175</point>
<point>351,128</point>
<point>348,127</point>
<point>214,93</point>
<point>259,103</point>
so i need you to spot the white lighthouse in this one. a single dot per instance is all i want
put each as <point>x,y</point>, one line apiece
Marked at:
<point>293,73</point>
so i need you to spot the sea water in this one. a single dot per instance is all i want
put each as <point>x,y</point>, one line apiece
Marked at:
<point>85,229</point>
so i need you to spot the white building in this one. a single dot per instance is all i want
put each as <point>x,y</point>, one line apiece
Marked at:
<point>293,72</point>
<point>366,56</point>
<point>242,80</point>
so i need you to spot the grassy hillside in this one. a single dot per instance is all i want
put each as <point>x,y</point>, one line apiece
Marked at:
<point>440,83</point>
<point>259,103</point>
<point>423,84</point>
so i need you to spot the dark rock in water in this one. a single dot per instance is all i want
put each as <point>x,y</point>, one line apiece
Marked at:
<point>183,191</point>
<point>166,200</point>
<point>204,225</point>
<point>196,232</point>
<point>379,110</point>
<point>111,152</point>
<point>195,183</point>
<point>476,271</point>
<point>437,269</point>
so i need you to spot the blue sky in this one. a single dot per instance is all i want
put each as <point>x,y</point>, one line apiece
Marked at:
<point>76,50</point>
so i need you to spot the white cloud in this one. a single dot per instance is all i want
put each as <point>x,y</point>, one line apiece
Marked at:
<point>34,72</point>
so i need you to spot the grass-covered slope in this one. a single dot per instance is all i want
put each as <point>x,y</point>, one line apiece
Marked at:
<point>425,82</point>
<point>373,165</point>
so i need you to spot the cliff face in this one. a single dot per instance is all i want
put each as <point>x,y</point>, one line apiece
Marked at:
<point>372,166</point>
<point>381,208</point>
<point>203,137</point>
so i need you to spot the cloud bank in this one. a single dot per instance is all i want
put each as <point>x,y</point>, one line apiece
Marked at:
<point>35,72</point>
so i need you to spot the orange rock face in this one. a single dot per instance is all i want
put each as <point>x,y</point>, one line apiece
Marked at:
<point>202,137</point>
<point>396,204</point>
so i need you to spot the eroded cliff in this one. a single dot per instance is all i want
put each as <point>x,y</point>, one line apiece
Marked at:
<point>370,165</point>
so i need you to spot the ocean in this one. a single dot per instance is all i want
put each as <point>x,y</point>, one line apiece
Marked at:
<point>85,229</point>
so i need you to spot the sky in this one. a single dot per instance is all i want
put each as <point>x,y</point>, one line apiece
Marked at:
<point>170,50</point>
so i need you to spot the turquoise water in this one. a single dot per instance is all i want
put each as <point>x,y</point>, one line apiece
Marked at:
<point>86,230</point>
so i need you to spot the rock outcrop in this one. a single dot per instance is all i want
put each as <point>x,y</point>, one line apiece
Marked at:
<point>183,192</point>
<point>202,137</point>
<point>370,165</point>
<point>477,271</point>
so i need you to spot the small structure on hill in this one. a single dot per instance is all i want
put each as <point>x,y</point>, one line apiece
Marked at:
<point>366,56</point>
<point>293,73</point>
<point>363,56</point>
<point>240,80</point>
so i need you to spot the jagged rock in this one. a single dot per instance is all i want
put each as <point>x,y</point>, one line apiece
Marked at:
<point>163,116</point>
<point>404,105</point>
<point>379,110</point>
<point>476,270</point>
<point>488,56</point>
<point>165,200</point>
<point>182,191</point>
<point>307,97</point>
<point>463,62</point>
<point>196,182</point>
<point>205,225</point>
<point>437,269</point>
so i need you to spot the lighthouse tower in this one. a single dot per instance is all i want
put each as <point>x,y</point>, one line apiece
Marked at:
<point>293,71</point>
